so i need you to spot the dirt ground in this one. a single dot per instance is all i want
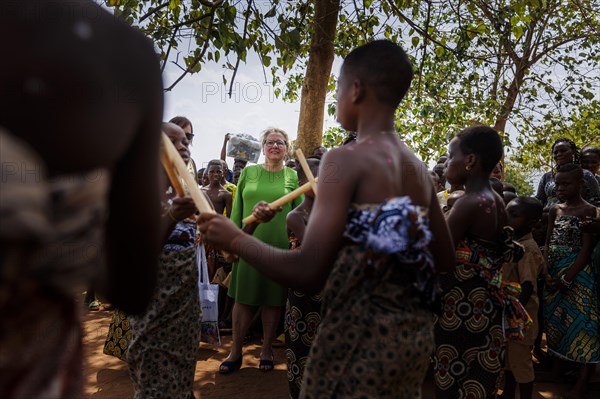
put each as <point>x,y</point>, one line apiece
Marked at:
<point>107,377</point>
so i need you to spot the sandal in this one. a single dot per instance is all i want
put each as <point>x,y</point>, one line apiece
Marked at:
<point>266,365</point>
<point>229,367</point>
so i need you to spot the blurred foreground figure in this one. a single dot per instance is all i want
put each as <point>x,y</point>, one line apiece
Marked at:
<point>80,111</point>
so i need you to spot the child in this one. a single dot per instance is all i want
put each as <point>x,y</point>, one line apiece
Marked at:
<point>523,214</point>
<point>219,196</point>
<point>571,302</point>
<point>469,334</point>
<point>452,198</point>
<point>375,233</point>
<point>221,201</point>
<point>303,311</point>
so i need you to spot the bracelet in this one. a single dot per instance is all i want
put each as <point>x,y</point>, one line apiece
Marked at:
<point>566,283</point>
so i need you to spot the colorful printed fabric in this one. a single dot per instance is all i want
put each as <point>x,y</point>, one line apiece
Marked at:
<point>118,337</point>
<point>163,347</point>
<point>302,319</point>
<point>572,316</point>
<point>376,335</point>
<point>470,340</point>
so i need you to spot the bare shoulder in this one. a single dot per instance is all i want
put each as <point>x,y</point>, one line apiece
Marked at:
<point>339,164</point>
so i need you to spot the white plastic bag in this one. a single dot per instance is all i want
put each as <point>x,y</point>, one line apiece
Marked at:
<point>209,302</point>
<point>243,146</point>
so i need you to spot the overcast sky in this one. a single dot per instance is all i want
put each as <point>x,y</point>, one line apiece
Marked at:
<point>252,108</point>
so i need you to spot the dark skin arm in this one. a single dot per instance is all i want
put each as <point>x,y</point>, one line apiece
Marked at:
<point>224,148</point>
<point>551,220</point>
<point>228,201</point>
<point>459,218</point>
<point>443,255</point>
<point>295,224</point>
<point>131,264</point>
<point>181,208</point>
<point>263,213</point>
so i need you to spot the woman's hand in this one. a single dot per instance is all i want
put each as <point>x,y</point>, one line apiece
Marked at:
<point>181,208</point>
<point>218,231</point>
<point>263,213</point>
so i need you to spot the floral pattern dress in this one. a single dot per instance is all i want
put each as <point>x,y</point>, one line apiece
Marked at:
<point>376,333</point>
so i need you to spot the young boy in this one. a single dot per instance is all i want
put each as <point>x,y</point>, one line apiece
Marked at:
<point>219,196</point>
<point>523,214</point>
<point>221,200</point>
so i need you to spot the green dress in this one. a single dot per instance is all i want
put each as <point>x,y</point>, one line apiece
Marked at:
<point>248,286</point>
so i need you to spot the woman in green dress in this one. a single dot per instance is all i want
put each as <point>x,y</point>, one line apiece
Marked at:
<point>249,288</point>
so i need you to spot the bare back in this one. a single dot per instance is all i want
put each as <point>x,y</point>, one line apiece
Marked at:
<point>384,167</point>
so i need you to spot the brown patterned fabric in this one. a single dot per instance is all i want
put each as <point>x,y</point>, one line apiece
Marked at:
<point>163,348</point>
<point>375,338</point>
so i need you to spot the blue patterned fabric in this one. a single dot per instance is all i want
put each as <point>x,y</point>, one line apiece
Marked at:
<point>182,237</point>
<point>572,317</point>
<point>399,228</point>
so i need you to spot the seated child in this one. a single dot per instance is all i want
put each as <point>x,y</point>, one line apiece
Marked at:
<point>523,214</point>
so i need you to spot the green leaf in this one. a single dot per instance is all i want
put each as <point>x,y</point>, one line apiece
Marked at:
<point>271,12</point>
<point>415,41</point>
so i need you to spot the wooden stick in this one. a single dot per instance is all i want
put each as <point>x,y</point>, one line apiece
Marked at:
<point>198,197</point>
<point>307,171</point>
<point>168,167</point>
<point>289,197</point>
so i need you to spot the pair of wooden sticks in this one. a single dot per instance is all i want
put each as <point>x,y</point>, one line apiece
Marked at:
<point>177,171</point>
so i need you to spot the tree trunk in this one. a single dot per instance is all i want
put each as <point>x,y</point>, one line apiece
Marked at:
<point>316,80</point>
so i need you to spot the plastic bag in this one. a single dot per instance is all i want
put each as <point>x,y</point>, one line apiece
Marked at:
<point>209,302</point>
<point>243,146</point>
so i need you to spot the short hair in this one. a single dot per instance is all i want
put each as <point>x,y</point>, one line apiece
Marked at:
<point>201,172</point>
<point>313,163</point>
<point>508,187</point>
<point>382,66</point>
<point>266,132</point>
<point>496,185</point>
<point>592,149</point>
<point>214,162</point>
<point>182,122</point>
<point>531,206</point>
<point>571,168</point>
<point>484,142</point>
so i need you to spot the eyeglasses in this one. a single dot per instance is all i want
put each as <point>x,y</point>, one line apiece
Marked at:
<point>189,136</point>
<point>278,143</point>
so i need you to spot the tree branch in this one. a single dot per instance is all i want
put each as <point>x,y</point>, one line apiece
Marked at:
<point>200,56</point>
<point>162,69</point>
<point>153,10</point>
<point>237,62</point>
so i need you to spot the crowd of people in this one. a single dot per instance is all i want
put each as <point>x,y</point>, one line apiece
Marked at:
<point>385,271</point>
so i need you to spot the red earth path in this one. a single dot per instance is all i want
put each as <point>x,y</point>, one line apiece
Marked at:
<point>106,377</point>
